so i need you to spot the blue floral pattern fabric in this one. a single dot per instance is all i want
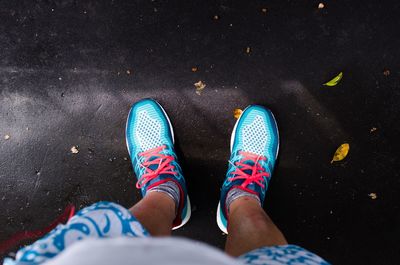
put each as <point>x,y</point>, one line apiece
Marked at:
<point>100,220</point>
<point>110,220</point>
<point>280,255</point>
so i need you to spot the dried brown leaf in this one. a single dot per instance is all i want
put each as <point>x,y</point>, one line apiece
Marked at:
<point>200,85</point>
<point>237,113</point>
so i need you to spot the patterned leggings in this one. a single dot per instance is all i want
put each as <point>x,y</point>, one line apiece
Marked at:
<point>106,219</point>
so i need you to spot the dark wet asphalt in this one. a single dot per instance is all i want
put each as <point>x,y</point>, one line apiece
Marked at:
<point>69,71</point>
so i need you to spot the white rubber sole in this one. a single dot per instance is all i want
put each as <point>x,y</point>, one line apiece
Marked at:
<point>171,129</point>
<point>219,217</point>
<point>219,220</point>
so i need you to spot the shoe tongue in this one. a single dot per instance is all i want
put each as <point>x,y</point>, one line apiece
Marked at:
<point>254,187</point>
<point>250,163</point>
<point>154,166</point>
<point>158,178</point>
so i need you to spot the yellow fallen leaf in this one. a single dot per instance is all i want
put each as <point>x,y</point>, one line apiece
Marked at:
<point>335,80</point>
<point>341,152</point>
<point>237,113</point>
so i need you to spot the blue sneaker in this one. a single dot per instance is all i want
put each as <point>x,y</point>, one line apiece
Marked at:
<point>150,142</point>
<point>254,149</point>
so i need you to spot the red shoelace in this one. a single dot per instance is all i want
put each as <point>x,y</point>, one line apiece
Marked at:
<point>257,171</point>
<point>163,161</point>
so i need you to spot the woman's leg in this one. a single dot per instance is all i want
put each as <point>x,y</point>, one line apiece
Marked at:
<point>250,228</point>
<point>156,212</point>
<point>254,149</point>
<point>256,239</point>
<point>150,140</point>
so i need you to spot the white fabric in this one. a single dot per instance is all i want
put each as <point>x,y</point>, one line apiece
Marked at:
<point>141,251</point>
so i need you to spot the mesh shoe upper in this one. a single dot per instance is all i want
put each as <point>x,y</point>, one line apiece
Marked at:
<point>147,127</point>
<point>256,132</point>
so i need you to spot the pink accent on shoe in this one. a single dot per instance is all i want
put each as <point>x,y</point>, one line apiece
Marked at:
<point>163,162</point>
<point>257,171</point>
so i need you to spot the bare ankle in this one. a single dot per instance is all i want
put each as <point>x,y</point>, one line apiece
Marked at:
<point>250,228</point>
<point>244,202</point>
